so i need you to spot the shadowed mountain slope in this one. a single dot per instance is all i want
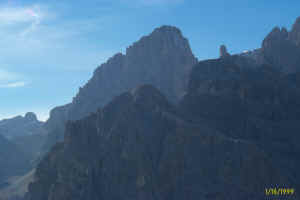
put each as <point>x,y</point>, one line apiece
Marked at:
<point>137,147</point>
<point>13,161</point>
<point>163,59</point>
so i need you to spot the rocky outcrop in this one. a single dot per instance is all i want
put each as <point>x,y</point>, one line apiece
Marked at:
<point>55,126</point>
<point>21,126</point>
<point>281,52</point>
<point>163,59</point>
<point>223,51</point>
<point>280,49</point>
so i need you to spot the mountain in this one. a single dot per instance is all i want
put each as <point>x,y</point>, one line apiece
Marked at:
<point>258,105</point>
<point>138,147</point>
<point>232,134</point>
<point>13,161</point>
<point>163,59</point>
<point>21,126</point>
<point>20,148</point>
<point>31,144</point>
<point>280,49</point>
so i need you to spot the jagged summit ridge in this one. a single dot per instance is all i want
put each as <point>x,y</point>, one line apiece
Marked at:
<point>164,50</point>
<point>31,116</point>
<point>164,36</point>
<point>162,59</point>
<point>276,34</point>
<point>21,126</point>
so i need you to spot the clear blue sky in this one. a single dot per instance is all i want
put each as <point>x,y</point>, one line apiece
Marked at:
<point>49,48</point>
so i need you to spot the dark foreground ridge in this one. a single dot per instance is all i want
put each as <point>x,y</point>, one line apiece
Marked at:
<point>218,144</point>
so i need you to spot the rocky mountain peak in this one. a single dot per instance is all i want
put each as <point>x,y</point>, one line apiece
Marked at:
<point>168,29</point>
<point>161,39</point>
<point>163,59</point>
<point>275,35</point>
<point>21,126</point>
<point>30,116</point>
<point>280,49</point>
<point>223,51</point>
<point>294,35</point>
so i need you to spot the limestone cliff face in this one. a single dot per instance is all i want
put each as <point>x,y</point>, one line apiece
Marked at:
<point>163,59</point>
<point>138,147</point>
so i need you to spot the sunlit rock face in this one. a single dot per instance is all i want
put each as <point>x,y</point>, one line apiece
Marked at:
<point>163,59</point>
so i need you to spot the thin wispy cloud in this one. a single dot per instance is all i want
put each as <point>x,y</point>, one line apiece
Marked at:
<point>43,31</point>
<point>21,19</point>
<point>11,79</point>
<point>7,76</point>
<point>13,85</point>
<point>14,15</point>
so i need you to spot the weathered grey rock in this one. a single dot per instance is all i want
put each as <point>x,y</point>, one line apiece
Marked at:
<point>223,51</point>
<point>30,116</point>
<point>163,59</point>
<point>280,51</point>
